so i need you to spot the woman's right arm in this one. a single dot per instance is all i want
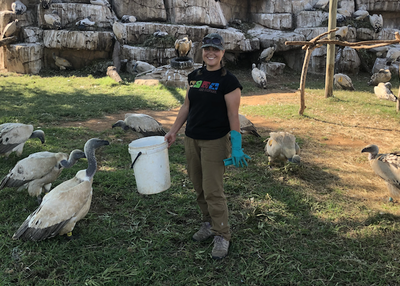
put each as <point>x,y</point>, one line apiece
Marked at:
<point>170,137</point>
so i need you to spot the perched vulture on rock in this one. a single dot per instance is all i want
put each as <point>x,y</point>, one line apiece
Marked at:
<point>386,166</point>
<point>53,20</point>
<point>85,23</point>
<point>266,54</point>
<point>141,123</point>
<point>342,81</point>
<point>39,170</point>
<point>128,19</point>
<point>14,135</point>
<point>247,127</point>
<point>65,205</point>
<point>376,22</point>
<point>282,147</point>
<point>10,29</point>
<point>183,47</point>
<point>384,91</point>
<point>18,7</point>
<point>360,15</point>
<point>383,75</point>
<point>259,76</point>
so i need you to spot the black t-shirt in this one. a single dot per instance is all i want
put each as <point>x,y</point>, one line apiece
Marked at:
<point>208,115</point>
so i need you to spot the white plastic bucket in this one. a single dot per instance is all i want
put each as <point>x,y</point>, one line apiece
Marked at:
<point>151,168</point>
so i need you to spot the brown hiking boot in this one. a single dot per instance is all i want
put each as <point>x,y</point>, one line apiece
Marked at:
<point>220,249</point>
<point>204,232</point>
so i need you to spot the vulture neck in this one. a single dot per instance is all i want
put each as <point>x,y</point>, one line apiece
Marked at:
<point>92,164</point>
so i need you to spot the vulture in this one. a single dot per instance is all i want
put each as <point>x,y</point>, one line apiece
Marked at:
<point>383,75</point>
<point>39,170</point>
<point>282,147</point>
<point>84,23</point>
<point>247,127</point>
<point>119,31</point>
<point>259,76</point>
<point>14,135</point>
<point>384,91</point>
<point>266,54</point>
<point>62,63</point>
<point>128,19</point>
<point>342,33</point>
<point>65,205</point>
<point>53,20</point>
<point>392,55</point>
<point>342,81</point>
<point>10,29</point>
<point>18,7</point>
<point>386,166</point>
<point>376,22</point>
<point>183,47</point>
<point>45,4</point>
<point>160,34</point>
<point>360,15</point>
<point>141,123</point>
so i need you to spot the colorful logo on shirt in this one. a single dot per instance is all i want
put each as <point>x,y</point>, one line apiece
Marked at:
<point>205,85</point>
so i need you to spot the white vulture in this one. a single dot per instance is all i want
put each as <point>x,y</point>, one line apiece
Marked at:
<point>259,76</point>
<point>342,33</point>
<point>14,135</point>
<point>39,170</point>
<point>384,91</point>
<point>386,166</point>
<point>18,7</point>
<point>183,47</point>
<point>119,31</point>
<point>282,147</point>
<point>360,15</point>
<point>141,67</point>
<point>65,205</point>
<point>85,23</point>
<point>392,55</point>
<point>267,54</point>
<point>376,22</point>
<point>383,75</point>
<point>160,34</point>
<point>62,63</point>
<point>247,127</point>
<point>128,19</point>
<point>53,20</point>
<point>10,29</point>
<point>343,81</point>
<point>141,123</point>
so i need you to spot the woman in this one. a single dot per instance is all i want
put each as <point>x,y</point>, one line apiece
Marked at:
<point>211,110</point>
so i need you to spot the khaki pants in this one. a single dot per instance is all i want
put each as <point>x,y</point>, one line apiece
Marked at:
<point>206,169</point>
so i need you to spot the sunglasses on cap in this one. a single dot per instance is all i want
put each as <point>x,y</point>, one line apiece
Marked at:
<point>214,41</point>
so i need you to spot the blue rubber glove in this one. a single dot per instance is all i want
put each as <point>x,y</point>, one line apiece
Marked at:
<point>238,157</point>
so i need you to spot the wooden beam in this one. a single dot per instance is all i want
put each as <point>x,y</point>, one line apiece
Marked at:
<point>330,53</point>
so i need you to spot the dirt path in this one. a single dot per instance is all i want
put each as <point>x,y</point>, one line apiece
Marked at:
<point>331,146</point>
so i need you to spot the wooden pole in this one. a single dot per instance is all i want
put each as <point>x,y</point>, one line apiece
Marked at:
<point>330,56</point>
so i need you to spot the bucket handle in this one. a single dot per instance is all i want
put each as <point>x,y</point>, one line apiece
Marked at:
<point>134,161</point>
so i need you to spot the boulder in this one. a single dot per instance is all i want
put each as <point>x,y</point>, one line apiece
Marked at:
<point>205,12</point>
<point>153,56</point>
<point>24,58</point>
<point>143,10</point>
<point>281,21</point>
<point>70,13</point>
<point>306,19</point>
<point>79,40</point>
<point>32,34</point>
<point>270,7</point>
<point>349,62</point>
<point>272,69</point>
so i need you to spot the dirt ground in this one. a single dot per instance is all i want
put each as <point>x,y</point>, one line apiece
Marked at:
<point>333,146</point>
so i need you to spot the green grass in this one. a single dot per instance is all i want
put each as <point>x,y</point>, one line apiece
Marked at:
<point>296,231</point>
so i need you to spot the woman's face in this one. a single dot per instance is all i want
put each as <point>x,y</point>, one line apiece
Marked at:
<point>212,57</point>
